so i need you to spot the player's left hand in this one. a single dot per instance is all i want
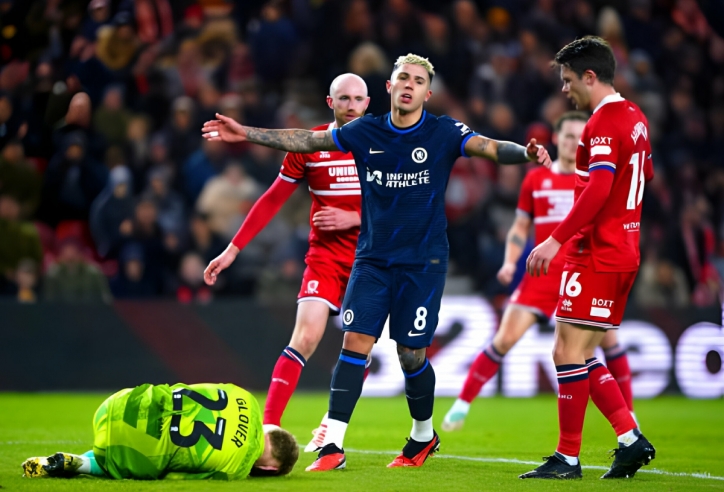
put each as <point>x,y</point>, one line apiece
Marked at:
<point>538,153</point>
<point>335,219</point>
<point>541,256</point>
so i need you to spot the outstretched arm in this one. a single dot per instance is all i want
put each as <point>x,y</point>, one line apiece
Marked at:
<point>259,216</point>
<point>504,152</point>
<point>225,129</point>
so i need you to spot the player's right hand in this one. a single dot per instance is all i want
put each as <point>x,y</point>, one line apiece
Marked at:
<point>506,273</point>
<point>223,129</point>
<point>219,264</point>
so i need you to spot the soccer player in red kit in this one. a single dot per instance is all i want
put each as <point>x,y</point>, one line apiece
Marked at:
<point>334,219</point>
<point>601,259</point>
<point>546,197</point>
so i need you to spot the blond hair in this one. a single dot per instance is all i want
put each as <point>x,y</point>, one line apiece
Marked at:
<point>413,59</point>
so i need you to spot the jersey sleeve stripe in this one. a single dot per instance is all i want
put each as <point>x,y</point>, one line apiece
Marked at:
<point>522,213</point>
<point>287,178</point>
<point>465,140</point>
<point>581,173</point>
<point>608,166</point>
<point>600,150</point>
<point>601,163</point>
<point>336,140</point>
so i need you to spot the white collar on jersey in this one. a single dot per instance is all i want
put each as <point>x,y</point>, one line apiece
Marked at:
<point>332,125</point>
<point>609,99</point>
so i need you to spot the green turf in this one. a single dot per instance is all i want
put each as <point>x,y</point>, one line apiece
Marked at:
<point>688,435</point>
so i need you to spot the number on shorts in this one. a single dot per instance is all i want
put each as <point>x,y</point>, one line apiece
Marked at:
<point>215,437</point>
<point>637,177</point>
<point>573,287</point>
<point>421,318</point>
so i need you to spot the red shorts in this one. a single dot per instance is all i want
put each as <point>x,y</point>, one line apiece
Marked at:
<point>538,295</point>
<point>593,298</point>
<point>324,280</point>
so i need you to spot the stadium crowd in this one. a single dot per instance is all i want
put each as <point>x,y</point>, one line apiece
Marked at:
<point>107,189</point>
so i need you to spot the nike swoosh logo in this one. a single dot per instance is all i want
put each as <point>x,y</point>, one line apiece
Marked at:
<point>335,389</point>
<point>411,334</point>
<point>376,151</point>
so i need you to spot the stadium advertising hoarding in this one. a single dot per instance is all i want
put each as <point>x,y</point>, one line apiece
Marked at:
<point>102,347</point>
<point>667,351</point>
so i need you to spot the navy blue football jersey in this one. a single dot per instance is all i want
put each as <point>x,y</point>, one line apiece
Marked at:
<point>403,175</point>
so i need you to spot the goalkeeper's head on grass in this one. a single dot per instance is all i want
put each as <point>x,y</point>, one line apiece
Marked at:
<point>177,432</point>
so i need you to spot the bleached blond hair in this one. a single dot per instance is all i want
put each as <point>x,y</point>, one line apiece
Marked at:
<point>413,59</point>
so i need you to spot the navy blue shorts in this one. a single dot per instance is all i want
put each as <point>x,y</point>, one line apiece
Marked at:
<point>410,297</point>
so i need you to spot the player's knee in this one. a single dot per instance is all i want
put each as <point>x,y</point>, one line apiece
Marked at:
<point>305,339</point>
<point>410,359</point>
<point>504,341</point>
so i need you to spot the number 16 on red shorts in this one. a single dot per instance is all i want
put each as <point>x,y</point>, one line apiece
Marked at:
<point>587,297</point>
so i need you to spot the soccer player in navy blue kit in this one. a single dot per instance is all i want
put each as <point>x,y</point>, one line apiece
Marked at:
<point>403,159</point>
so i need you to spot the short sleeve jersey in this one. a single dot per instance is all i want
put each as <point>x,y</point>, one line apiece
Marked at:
<point>404,174</point>
<point>616,140</point>
<point>182,431</point>
<point>546,197</point>
<point>333,182</point>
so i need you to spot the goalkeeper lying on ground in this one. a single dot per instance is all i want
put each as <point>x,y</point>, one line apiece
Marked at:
<point>177,432</point>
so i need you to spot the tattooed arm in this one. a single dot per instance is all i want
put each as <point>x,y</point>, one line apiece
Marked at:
<point>507,152</point>
<point>225,129</point>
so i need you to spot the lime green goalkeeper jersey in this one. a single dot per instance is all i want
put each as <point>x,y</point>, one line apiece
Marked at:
<point>182,431</point>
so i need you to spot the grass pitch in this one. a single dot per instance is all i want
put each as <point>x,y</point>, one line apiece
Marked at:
<point>501,439</point>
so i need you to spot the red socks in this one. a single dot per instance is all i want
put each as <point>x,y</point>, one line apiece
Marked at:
<point>617,364</point>
<point>484,367</point>
<point>573,391</point>
<point>283,383</point>
<point>607,396</point>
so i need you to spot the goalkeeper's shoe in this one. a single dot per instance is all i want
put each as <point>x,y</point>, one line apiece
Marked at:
<point>58,465</point>
<point>628,459</point>
<point>318,440</point>
<point>415,453</point>
<point>330,458</point>
<point>453,420</point>
<point>555,467</point>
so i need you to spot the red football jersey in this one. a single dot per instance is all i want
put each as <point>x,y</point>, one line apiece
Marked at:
<point>333,182</point>
<point>615,139</point>
<point>546,196</point>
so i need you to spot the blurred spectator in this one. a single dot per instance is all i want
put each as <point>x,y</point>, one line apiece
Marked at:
<point>26,281</point>
<point>9,123</point>
<point>117,43</point>
<point>660,284</point>
<point>201,166</point>
<point>111,119</point>
<point>369,62</point>
<point>170,205</point>
<point>272,39</point>
<point>72,181</point>
<point>20,239</point>
<point>112,212</point>
<point>203,240</point>
<point>227,198</point>
<point>182,138</point>
<point>73,278</point>
<point>191,274</point>
<point>133,280</point>
<point>19,178</point>
<point>690,246</point>
<point>262,164</point>
<point>99,14</point>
